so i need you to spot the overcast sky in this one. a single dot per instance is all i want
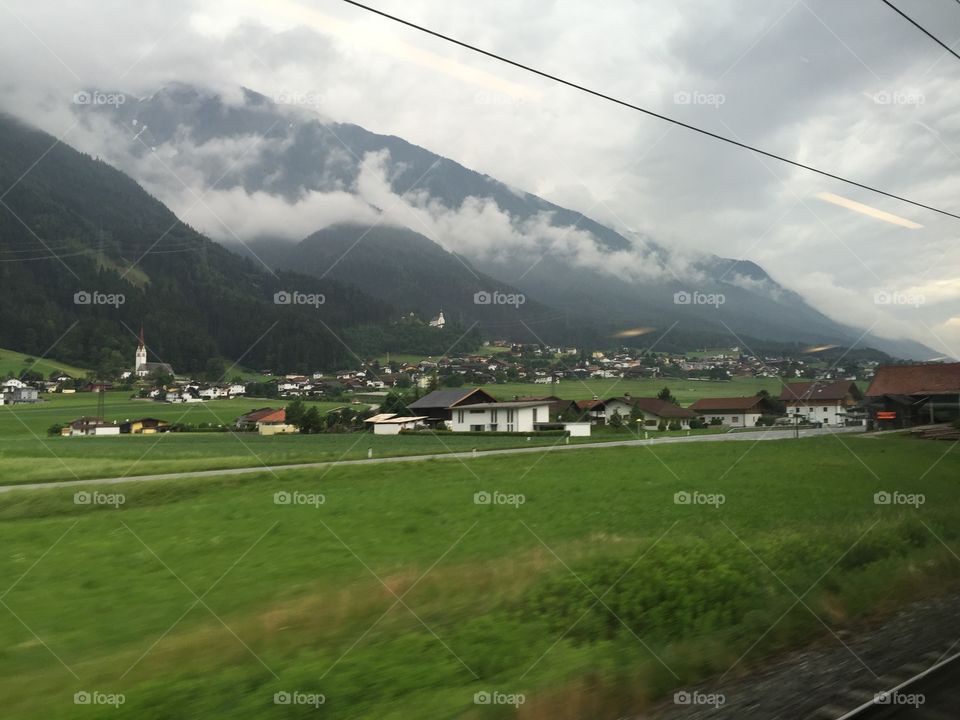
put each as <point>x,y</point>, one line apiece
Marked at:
<point>847,86</point>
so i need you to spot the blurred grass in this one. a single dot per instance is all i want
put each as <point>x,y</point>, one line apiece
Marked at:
<point>301,586</point>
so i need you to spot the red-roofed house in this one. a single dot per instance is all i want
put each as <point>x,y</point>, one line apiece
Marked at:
<point>734,411</point>
<point>266,421</point>
<point>824,402</point>
<point>905,395</point>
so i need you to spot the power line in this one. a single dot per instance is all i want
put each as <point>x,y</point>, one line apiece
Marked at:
<point>659,116</point>
<point>921,28</point>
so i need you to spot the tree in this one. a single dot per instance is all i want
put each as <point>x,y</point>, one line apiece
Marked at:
<point>616,420</point>
<point>667,396</point>
<point>311,422</point>
<point>295,412</point>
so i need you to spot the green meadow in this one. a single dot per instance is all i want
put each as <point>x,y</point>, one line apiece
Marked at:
<point>15,363</point>
<point>387,591</point>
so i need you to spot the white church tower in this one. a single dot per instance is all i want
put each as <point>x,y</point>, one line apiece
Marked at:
<point>141,357</point>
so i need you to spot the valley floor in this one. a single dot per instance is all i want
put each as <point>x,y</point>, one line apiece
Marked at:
<point>575,584</point>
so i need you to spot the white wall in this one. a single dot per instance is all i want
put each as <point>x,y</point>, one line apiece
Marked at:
<point>463,419</point>
<point>734,419</point>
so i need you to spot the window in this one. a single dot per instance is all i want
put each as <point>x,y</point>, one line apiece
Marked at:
<point>509,427</point>
<point>460,416</point>
<point>510,415</point>
<point>493,427</point>
<point>826,409</point>
<point>476,428</point>
<point>493,417</point>
<point>735,419</point>
<point>535,414</point>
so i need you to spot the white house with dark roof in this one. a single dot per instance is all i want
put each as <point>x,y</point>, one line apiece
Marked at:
<point>499,416</point>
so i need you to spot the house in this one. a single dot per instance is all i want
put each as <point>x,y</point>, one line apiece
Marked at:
<point>656,411</point>
<point>829,403</point>
<point>19,393</point>
<point>438,405</point>
<point>593,409</point>
<point>392,424</point>
<point>90,426</point>
<point>513,416</point>
<point>906,395</point>
<point>266,421</point>
<point>558,406</point>
<point>439,321</point>
<point>144,426</point>
<point>733,411</point>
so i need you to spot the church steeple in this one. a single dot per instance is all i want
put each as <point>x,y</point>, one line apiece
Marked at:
<point>141,356</point>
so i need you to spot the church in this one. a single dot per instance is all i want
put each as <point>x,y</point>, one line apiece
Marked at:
<point>142,368</point>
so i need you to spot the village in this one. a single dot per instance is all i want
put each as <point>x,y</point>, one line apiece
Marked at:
<point>461,394</point>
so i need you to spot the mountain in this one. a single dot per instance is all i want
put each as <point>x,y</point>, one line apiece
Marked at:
<point>555,256</point>
<point>424,279</point>
<point>87,255</point>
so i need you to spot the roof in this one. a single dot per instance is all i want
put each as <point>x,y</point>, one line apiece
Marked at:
<point>922,379</point>
<point>265,415</point>
<point>87,421</point>
<point>449,398</point>
<point>514,404</point>
<point>399,419</point>
<point>380,418</point>
<point>819,390</point>
<point>746,402</point>
<point>661,408</point>
<point>589,404</point>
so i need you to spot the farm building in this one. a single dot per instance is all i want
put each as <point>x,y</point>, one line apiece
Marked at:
<point>830,403</point>
<point>907,395</point>
<point>392,424</point>
<point>144,426</point>
<point>734,411</point>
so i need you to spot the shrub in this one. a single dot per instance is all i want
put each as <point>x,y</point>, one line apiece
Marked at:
<point>675,425</point>
<point>662,425</point>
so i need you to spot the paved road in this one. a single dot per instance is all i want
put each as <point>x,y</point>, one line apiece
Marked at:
<point>751,436</point>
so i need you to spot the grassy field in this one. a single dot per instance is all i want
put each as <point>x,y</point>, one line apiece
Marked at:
<point>14,362</point>
<point>205,598</point>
